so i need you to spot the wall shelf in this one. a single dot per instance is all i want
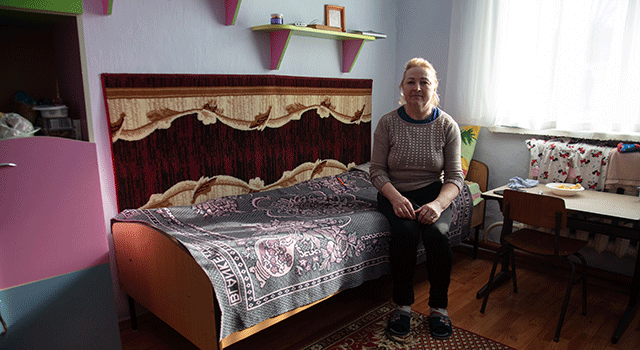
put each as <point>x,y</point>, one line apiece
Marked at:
<point>107,6</point>
<point>232,7</point>
<point>71,7</point>
<point>55,72</point>
<point>281,33</point>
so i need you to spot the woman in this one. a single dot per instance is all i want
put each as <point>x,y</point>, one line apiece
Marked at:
<point>415,165</point>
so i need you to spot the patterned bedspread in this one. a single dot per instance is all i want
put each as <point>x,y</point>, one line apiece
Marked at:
<point>269,252</point>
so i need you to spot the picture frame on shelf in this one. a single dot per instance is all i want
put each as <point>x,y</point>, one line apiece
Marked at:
<point>334,17</point>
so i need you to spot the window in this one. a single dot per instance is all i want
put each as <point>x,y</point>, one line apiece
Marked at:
<point>568,65</point>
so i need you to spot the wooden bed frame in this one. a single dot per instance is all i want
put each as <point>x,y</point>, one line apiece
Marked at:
<point>176,289</point>
<point>156,270</point>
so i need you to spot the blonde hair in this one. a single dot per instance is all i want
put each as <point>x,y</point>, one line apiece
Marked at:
<point>421,62</point>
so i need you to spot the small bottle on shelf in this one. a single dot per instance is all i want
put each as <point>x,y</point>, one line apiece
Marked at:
<point>276,18</point>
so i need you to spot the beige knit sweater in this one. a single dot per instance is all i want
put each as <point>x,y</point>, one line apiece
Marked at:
<point>413,154</point>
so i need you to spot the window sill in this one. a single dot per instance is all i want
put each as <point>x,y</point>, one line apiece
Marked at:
<point>634,137</point>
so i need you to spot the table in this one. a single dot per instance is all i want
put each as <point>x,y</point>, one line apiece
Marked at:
<point>593,211</point>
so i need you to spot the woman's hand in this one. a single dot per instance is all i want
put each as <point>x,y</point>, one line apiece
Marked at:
<point>403,208</point>
<point>429,213</point>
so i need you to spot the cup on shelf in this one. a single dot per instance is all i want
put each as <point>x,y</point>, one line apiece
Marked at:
<point>50,111</point>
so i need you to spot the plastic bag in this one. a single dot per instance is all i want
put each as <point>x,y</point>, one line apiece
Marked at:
<point>14,125</point>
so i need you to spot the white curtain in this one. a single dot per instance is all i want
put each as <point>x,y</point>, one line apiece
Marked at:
<point>570,65</point>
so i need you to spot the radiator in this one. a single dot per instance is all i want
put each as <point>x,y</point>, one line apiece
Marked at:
<point>561,160</point>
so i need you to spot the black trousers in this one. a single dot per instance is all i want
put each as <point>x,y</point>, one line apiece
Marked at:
<point>405,236</point>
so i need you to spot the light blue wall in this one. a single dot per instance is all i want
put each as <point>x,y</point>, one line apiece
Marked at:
<point>189,36</point>
<point>423,29</point>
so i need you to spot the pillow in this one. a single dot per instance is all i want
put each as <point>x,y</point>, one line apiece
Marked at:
<point>362,167</point>
<point>469,135</point>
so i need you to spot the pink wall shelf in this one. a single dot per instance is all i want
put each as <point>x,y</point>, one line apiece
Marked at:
<point>281,33</point>
<point>107,6</point>
<point>232,7</point>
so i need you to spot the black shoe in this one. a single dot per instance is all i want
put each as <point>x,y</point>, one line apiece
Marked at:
<point>440,326</point>
<point>399,323</point>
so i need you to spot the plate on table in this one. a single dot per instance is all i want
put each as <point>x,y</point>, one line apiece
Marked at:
<point>564,189</point>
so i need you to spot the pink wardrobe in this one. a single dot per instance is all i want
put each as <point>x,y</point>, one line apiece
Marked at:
<point>55,283</point>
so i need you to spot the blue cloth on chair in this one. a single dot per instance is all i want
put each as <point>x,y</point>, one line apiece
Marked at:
<point>518,182</point>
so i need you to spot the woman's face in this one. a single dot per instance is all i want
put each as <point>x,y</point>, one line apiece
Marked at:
<point>419,86</point>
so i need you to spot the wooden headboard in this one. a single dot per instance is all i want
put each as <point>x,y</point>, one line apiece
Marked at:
<point>181,139</point>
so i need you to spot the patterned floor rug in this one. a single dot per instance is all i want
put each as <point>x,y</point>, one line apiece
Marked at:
<point>369,332</point>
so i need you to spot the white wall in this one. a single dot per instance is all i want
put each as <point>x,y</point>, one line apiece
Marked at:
<point>189,36</point>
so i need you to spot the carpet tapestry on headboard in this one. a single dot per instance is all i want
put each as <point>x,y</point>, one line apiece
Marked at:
<point>169,128</point>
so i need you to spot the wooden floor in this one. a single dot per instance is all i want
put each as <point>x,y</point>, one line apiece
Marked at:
<point>525,320</point>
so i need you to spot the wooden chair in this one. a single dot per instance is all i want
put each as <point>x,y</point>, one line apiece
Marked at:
<point>543,212</point>
<point>478,173</point>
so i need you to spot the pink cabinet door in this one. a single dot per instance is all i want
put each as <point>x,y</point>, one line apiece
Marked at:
<point>51,216</point>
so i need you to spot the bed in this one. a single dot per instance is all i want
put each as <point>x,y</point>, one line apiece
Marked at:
<point>246,199</point>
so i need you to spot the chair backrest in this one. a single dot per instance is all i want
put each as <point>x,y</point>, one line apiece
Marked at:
<point>535,209</point>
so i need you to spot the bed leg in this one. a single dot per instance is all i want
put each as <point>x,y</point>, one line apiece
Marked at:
<point>132,313</point>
